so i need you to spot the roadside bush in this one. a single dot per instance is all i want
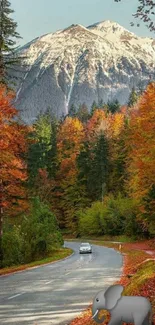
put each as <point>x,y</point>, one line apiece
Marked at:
<point>124,211</point>
<point>12,247</point>
<point>115,216</point>
<point>90,220</point>
<point>40,232</point>
<point>148,215</point>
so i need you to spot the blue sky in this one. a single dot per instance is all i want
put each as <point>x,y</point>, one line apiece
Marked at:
<point>35,18</point>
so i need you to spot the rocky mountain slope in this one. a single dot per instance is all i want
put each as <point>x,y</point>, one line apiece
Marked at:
<point>81,65</point>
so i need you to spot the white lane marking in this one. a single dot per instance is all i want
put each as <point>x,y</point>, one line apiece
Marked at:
<point>57,279</point>
<point>19,294</point>
<point>49,282</point>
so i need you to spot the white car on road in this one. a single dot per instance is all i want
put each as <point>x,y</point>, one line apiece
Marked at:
<point>85,248</point>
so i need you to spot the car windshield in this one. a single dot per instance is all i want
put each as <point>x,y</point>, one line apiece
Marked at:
<point>85,244</point>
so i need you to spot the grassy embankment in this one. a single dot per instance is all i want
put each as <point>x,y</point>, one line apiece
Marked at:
<point>138,276</point>
<point>122,238</point>
<point>56,255</point>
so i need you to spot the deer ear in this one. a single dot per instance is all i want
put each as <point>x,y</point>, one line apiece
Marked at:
<point>112,295</point>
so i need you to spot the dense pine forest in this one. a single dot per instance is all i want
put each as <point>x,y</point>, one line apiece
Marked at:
<point>90,173</point>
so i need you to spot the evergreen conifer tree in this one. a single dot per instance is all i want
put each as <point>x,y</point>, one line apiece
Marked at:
<point>113,106</point>
<point>83,113</point>
<point>101,104</point>
<point>72,111</point>
<point>132,98</point>
<point>100,168</point>
<point>8,34</point>
<point>93,107</point>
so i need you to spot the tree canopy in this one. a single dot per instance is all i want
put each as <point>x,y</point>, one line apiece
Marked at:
<point>145,12</point>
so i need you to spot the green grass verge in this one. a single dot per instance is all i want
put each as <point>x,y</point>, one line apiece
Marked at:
<point>55,255</point>
<point>123,239</point>
<point>144,272</point>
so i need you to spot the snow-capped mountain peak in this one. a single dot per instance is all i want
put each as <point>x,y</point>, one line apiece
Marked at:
<point>107,24</point>
<point>83,64</point>
<point>110,30</point>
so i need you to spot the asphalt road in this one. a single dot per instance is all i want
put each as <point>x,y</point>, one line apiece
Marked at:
<point>56,293</point>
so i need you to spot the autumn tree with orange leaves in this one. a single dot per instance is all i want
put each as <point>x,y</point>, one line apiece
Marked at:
<point>141,157</point>
<point>12,166</point>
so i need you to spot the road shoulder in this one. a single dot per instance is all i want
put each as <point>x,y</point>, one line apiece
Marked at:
<point>138,276</point>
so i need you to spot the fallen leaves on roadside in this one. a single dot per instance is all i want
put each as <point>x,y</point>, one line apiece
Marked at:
<point>134,255</point>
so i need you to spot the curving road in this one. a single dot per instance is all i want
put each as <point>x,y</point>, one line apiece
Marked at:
<point>56,293</point>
